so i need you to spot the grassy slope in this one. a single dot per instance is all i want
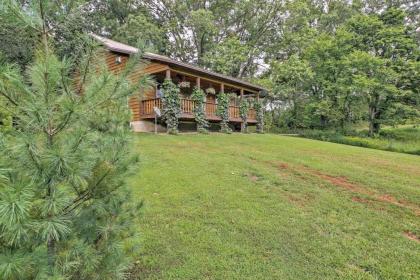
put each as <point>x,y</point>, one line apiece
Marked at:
<point>275,207</point>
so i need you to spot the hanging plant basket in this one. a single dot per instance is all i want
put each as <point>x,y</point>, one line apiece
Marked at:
<point>184,84</point>
<point>210,90</point>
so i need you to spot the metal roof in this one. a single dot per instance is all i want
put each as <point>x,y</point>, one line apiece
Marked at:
<point>126,49</point>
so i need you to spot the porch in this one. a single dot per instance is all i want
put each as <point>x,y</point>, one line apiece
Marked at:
<point>143,109</point>
<point>152,98</point>
<point>146,110</point>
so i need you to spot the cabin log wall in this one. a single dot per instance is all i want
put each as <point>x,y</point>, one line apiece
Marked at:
<point>150,68</point>
<point>142,106</point>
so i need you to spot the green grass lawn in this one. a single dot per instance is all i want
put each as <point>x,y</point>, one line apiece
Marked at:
<point>275,207</point>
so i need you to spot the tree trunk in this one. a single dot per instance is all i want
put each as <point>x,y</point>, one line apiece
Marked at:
<point>374,125</point>
<point>376,128</point>
<point>323,121</point>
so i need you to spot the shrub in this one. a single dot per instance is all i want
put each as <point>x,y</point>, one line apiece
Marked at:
<point>171,106</point>
<point>259,108</point>
<point>223,100</point>
<point>405,140</point>
<point>199,110</point>
<point>243,112</point>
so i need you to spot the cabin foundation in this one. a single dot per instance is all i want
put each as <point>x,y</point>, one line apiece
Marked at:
<point>146,126</point>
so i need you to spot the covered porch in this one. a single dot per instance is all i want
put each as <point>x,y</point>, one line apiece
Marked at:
<point>152,99</point>
<point>161,67</point>
<point>147,110</point>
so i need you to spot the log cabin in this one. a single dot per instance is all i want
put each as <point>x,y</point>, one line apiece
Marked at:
<point>162,67</point>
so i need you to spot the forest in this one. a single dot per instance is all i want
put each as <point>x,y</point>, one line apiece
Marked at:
<point>325,64</point>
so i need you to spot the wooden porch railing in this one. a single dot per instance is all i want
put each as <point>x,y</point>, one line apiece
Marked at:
<point>252,114</point>
<point>187,107</point>
<point>146,107</point>
<point>211,109</point>
<point>234,112</point>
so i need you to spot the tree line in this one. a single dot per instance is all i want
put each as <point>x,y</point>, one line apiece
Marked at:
<point>367,70</point>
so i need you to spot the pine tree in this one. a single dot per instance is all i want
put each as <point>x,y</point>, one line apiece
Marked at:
<point>65,208</point>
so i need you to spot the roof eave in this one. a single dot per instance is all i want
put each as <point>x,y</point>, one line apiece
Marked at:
<point>209,74</point>
<point>129,50</point>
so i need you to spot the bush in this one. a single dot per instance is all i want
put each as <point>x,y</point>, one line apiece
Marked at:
<point>259,109</point>
<point>403,140</point>
<point>199,110</point>
<point>223,111</point>
<point>171,106</point>
<point>243,112</point>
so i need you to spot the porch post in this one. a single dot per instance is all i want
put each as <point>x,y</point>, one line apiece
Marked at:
<point>197,81</point>
<point>242,93</point>
<point>222,88</point>
<point>258,96</point>
<point>168,74</point>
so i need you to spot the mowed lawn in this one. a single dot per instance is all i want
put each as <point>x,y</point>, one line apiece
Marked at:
<point>274,207</point>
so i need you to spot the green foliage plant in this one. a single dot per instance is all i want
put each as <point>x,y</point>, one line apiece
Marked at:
<point>65,207</point>
<point>227,57</point>
<point>198,96</point>
<point>141,26</point>
<point>6,113</point>
<point>171,106</point>
<point>6,118</point>
<point>243,112</point>
<point>402,140</point>
<point>259,110</point>
<point>223,100</point>
<point>290,82</point>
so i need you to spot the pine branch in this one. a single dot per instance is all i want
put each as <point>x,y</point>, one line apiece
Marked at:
<point>77,144</point>
<point>7,109</point>
<point>63,124</point>
<point>85,71</point>
<point>44,32</point>
<point>84,197</point>
<point>78,201</point>
<point>15,10</point>
<point>64,84</point>
<point>9,98</point>
<point>32,157</point>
